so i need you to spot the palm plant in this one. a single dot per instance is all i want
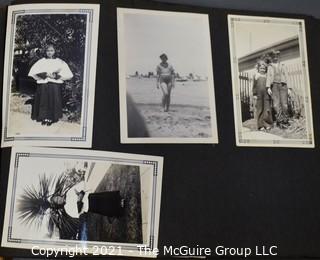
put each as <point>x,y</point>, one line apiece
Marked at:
<point>48,199</point>
<point>34,203</point>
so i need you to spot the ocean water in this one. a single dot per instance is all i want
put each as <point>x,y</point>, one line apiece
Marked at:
<point>144,91</point>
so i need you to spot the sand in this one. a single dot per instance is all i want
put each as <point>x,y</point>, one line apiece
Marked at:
<point>180,121</point>
<point>189,114</point>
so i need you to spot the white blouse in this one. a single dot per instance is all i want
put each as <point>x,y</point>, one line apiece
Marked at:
<point>71,200</point>
<point>50,66</point>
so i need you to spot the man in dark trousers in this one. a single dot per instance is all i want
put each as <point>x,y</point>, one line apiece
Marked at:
<point>277,87</point>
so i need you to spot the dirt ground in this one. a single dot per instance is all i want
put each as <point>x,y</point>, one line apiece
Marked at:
<point>296,130</point>
<point>20,122</point>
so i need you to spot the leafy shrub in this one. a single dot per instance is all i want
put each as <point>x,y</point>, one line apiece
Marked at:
<point>68,34</point>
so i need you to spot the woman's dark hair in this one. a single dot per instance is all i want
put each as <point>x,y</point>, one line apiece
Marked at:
<point>163,55</point>
<point>50,45</point>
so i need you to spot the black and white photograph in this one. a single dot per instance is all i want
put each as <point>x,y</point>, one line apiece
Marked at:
<point>165,77</point>
<point>270,78</point>
<point>49,74</point>
<point>89,199</point>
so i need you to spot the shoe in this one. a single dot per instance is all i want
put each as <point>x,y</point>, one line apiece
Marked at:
<point>43,122</point>
<point>49,123</point>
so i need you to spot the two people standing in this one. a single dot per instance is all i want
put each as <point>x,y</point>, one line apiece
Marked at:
<point>271,91</point>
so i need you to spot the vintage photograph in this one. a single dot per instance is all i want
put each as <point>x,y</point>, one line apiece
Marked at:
<point>89,199</point>
<point>49,74</point>
<point>270,78</point>
<point>165,77</point>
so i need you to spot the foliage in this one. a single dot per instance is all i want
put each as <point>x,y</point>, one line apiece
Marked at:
<point>68,34</point>
<point>33,203</point>
<point>36,202</point>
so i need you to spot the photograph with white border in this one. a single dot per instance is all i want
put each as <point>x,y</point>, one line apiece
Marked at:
<point>94,200</point>
<point>49,74</point>
<point>270,81</point>
<point>166,81</point>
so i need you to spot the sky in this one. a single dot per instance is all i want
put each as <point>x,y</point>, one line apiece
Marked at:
<point>250,36</point>
<point>184,38</point>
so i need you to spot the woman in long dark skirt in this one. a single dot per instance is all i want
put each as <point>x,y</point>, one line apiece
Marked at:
<point>50,73</point>
<point>263,98</point>
<point>108,203</point>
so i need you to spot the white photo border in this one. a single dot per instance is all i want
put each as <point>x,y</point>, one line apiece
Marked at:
<point>295,143</point>
<point>213,139</point>
<point>129,249</point>
<point>90,59</point>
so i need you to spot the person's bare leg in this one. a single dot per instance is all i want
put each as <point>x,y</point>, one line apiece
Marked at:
<point>164,89</point>
<point>169,96</point>
<point>163,101</point>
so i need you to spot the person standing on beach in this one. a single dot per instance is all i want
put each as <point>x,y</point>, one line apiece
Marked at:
<point>278,88</point>
<point>165,80</point>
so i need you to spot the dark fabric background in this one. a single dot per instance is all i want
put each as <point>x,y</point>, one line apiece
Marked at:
<point>309,7</point>
<point>214,194</point>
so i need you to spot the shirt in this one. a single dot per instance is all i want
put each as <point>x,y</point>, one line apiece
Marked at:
<point>71,206</point>
<point>50,66</point>
<point>276,74</point>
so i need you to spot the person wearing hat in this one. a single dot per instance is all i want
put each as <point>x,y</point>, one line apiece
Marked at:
<point>165,80</point>
<point>277,87</point>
